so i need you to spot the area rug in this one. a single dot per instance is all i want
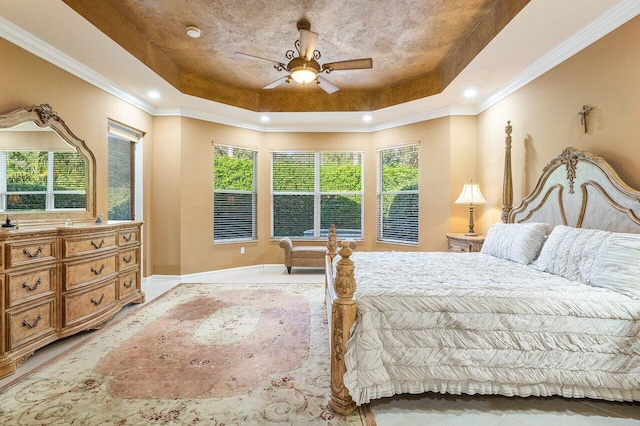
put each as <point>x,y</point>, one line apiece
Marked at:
<point>201,354</point>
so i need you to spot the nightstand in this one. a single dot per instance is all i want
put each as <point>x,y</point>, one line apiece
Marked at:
<point>465,243</point>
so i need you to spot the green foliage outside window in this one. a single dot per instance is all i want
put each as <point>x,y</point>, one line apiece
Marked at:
<point>27,167</point>
<point>233,173</point>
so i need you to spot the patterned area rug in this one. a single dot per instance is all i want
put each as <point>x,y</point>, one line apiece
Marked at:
<point>201,354</point>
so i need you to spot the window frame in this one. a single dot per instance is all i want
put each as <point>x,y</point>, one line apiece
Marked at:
<point>253,193</point>
<point>318,194</point>
<point>134,137</point>
<point>380,196</point>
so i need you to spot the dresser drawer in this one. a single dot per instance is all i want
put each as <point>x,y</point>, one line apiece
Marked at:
<point>28,324</point>
<point>128,259</point>
<point>465,243</point>
<point>127,283</point>
<point>128,237</point>
<point>86,245</point>
<point>30,285</point>
<point>81,305</point>
<point>460,246</point>
<point>19,253</point>
<point>82,273</point>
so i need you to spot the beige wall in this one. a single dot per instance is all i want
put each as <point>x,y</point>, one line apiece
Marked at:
<point>26,80</point>
<point>178,175</point>
<point>545,120</point>
<point>183,186</point>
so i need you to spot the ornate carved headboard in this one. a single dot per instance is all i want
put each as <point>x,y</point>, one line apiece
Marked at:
<point>582,190</point>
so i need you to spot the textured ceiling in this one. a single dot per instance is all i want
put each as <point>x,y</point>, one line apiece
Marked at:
<point>417,46</point>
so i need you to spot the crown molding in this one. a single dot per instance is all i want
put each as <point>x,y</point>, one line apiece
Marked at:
<point>207,116</point>
<point>603,25</point>
<point>44,50</point>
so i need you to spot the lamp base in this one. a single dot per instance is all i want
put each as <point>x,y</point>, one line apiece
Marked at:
<point>471,234</point>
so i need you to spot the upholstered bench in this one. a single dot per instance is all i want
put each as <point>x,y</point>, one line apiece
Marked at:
<point>302,255</point>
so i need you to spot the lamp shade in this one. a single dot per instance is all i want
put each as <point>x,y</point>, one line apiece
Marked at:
<point>471,195</point>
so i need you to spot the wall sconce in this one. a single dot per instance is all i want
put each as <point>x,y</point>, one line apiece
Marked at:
<point>471,195</point>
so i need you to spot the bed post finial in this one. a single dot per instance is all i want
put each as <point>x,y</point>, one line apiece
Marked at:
<point>507,183</point>
<point>332,242</point>
<point>343,315</point>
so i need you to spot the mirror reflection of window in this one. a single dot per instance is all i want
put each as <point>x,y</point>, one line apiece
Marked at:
<point>121,170</point>
<point>42,180</point>
<point>39,171</point>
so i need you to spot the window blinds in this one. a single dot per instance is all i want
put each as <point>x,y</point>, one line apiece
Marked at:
<point>235,197</point>
<point>312,190</point>
<point>120,178</point>
<point>398,194</point>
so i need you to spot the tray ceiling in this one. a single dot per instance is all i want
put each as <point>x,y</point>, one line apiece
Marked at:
<point>418,47</point>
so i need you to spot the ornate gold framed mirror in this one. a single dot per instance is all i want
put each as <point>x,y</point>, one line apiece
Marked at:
<point>47,173</point>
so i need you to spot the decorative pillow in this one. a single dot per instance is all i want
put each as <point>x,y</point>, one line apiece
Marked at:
<point>572,252</point>
<point>518,242</point>
<point>618,266</point>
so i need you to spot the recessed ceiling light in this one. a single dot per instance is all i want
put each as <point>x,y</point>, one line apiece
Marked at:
<point>367,118</point>
<point>153,94</point>
<point>470,93</point>
<point>265,119</point>
<point>193,32</point>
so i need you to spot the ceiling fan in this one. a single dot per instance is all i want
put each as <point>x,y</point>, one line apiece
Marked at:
<point>304,68</point>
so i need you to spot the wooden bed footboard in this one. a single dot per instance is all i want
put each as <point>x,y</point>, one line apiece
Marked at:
<point>341,310</point>
<point>341,306</point>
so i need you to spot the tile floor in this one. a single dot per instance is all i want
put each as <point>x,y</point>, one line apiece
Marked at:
<point>432,409</point>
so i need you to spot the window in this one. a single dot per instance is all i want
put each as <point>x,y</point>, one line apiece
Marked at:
<point>42,180</point>
<point>398,195</point>
<point>121,171</point>
<point>312,190</point>
<point>234,195</point>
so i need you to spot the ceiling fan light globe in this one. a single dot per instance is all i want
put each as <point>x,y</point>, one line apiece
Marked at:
<point>303,75</point>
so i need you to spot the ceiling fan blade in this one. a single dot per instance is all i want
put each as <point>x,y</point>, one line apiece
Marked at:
<point>353,64</point>
<point>245,55</point>
<point>308,41</point>
<point>276,83</point>
<point>326,85</point>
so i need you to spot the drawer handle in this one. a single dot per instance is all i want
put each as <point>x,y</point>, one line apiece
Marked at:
<point>127,239</point>
<point>127,259</point>
<point>25,323</point>
<point>97,302</point>
<point>98,246</point>
<point>128,285</point>
<point>28,287</point>
<point>32,255</point>
<point>97,271</point>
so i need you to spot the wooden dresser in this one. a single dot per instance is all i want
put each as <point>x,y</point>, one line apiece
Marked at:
<point>58,281</point>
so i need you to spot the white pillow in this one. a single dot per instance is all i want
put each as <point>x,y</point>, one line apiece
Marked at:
<point>598,258</point>
<point>518,242</point>
<point>572,252</point>
<point>618,267</point>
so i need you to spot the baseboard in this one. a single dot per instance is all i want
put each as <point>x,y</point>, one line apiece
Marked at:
<point>195,276</point>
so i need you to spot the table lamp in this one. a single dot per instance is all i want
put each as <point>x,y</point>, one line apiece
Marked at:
<point>471,195</point>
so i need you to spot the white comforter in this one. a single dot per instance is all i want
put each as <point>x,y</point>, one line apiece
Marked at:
<point>473,323</point>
